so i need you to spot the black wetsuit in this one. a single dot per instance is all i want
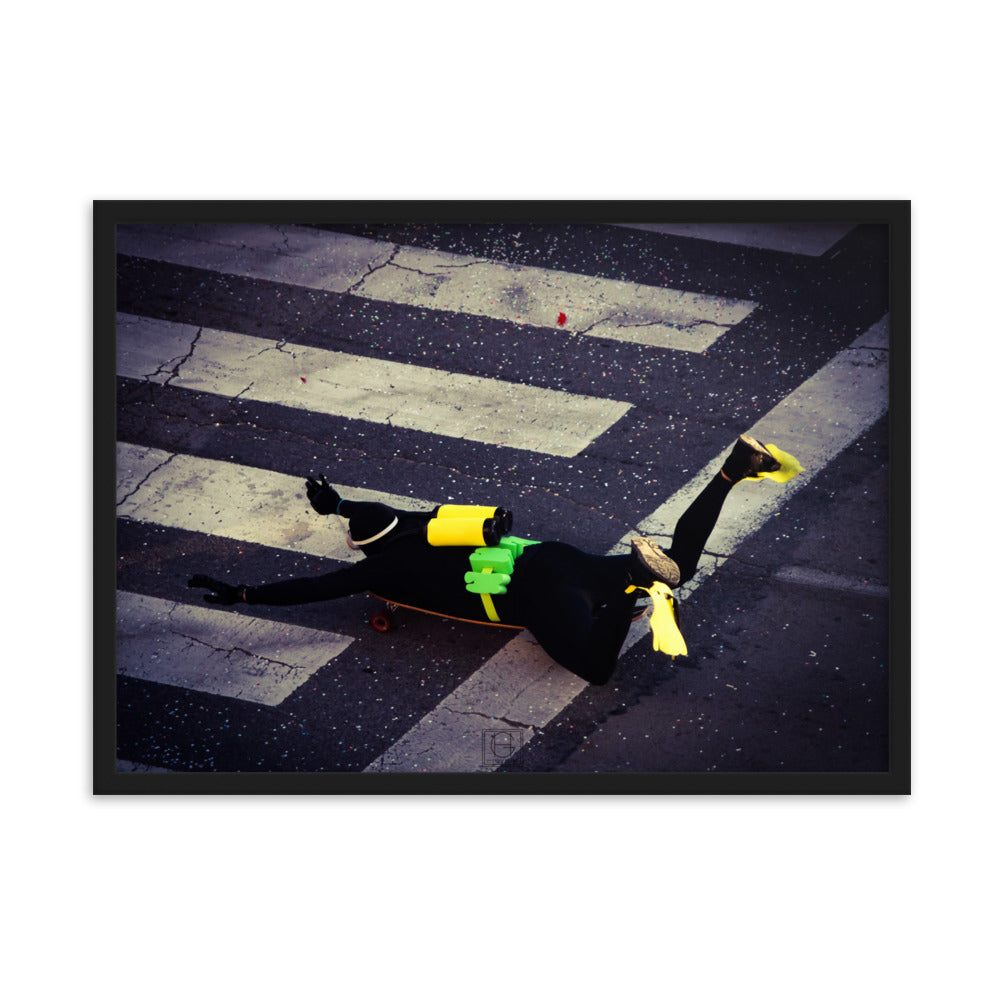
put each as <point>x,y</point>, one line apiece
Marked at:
<point>573,603</point>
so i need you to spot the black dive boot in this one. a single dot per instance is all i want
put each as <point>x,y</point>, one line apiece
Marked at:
<point>650,563</point>
<point>748,459</point>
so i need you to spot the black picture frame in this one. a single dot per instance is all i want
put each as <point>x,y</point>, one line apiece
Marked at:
<point>894,215</point>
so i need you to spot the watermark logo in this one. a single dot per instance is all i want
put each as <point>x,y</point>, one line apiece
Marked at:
<point>499,745</point>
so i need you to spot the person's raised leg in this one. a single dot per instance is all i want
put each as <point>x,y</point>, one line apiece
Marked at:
<point>748,459</point>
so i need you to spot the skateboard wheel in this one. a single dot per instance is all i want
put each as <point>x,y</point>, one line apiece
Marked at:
<point>381,621</point>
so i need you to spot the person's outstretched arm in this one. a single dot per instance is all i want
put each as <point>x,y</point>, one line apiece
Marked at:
<point>305,590</point>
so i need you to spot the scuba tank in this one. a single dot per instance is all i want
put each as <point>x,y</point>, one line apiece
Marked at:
<point>466,524</point>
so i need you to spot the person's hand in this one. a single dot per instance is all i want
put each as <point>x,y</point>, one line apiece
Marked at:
<point>222,593</point>
<point>323,497</point>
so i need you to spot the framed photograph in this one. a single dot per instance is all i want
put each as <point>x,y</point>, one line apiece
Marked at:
<point>501,497</point>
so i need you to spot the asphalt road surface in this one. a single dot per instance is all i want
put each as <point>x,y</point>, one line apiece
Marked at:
<point>587,377</point>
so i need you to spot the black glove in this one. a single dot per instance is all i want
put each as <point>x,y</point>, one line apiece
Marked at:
<point>224,593</point>
<point>323,497</point>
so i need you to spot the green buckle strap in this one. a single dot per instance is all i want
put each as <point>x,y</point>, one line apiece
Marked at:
<point>492,567</point>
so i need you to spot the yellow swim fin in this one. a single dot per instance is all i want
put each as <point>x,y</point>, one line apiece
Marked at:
<point>788,469</point>
<point>667,636</point>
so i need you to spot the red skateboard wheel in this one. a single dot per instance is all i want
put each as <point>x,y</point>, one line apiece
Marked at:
<point>380,621</point>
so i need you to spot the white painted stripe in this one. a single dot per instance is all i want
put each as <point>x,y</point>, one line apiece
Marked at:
<point>218,652</point>
<point>294,255</point>
<point>236,501</point>
<point>597,307</point>
<point>806,577</point>
<point>434,279</point>
<point>815,423</point>
<point>346,385</point>
<point>520,688</point>
<point>811,239</point>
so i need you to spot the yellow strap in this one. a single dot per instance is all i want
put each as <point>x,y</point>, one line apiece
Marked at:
<point>488,606</point>
<point>491,611</point>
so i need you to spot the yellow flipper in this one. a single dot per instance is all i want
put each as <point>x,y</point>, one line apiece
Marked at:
<point>667,636</point>
<point>788,469</point>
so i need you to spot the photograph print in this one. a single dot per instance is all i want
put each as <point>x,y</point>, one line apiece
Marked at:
<point>501,497</point>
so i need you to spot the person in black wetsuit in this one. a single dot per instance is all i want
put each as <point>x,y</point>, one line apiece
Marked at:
<point>574,603</point>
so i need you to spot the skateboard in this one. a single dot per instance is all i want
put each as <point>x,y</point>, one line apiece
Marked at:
<point>384,620</point>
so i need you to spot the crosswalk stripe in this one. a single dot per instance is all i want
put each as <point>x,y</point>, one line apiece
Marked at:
<point>235,501</point>
<point>218,652</point>
<point>803,576</point>
<point>811,239</point>
<point>815,422</point>
<point>470,407</point>
<point>520,689</point>
<point>434,279</point>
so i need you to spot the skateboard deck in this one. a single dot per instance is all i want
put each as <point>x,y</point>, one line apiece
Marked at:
<point>382,621</point>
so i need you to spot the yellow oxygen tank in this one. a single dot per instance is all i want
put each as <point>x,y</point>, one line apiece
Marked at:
<point>476,531</point>
<point>468,524</point>
<point>461,510</point>
<point>465,510</point>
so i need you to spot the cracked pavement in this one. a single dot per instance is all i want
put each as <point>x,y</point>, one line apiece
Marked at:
<point>210,650</point>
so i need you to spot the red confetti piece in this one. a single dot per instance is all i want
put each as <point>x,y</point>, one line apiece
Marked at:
<point>302,378</point>
<point>562,318</point>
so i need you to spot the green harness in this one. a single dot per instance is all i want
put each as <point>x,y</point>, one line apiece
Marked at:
<point>492,567</point>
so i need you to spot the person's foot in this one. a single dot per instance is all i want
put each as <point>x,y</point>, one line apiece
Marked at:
<point>650,564</point>
<point>748,459</point>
